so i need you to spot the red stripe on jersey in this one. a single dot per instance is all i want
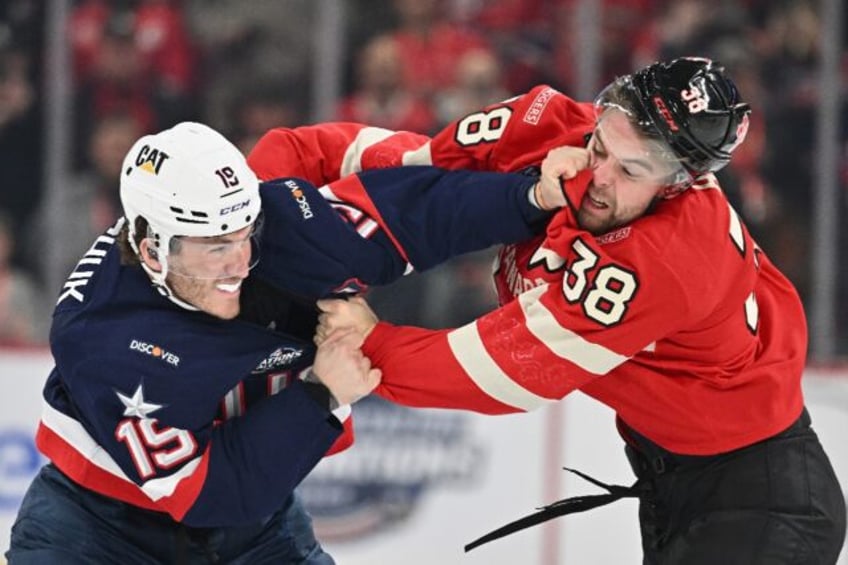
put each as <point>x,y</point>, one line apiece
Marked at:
<point>85,473</point>
<point>345,440</point>
<point>351,191</point>
<point>188,489</point>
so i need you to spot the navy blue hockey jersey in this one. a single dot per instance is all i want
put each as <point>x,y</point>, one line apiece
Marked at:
<point>395,221</point>
<point>206,419</point>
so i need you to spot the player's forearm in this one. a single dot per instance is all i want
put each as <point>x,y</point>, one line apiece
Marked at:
<point>276,443</point>
<point>435,214</point>
<point>419,371</point>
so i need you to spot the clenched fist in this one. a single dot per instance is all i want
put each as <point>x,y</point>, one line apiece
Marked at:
<point>343,369</point>
<point>562,163</point>
<point>353,314</point>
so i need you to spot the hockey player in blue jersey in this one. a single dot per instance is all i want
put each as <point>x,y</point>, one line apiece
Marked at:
<point>188,400</point>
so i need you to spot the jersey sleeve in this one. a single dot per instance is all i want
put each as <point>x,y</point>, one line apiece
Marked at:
<point>501,137</point>
<point>276,443</point>
<point>431,215</point>
<point>514,134</point>
<point>374,227</point>
<point>547,342</point>
<point>326,152</point>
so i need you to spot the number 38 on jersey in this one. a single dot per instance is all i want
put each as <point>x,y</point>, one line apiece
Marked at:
<point>603,293</point>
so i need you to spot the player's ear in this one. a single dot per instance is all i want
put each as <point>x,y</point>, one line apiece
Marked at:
<point>149,254</point>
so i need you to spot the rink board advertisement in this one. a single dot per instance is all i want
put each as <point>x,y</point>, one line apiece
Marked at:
<point>420,484</point>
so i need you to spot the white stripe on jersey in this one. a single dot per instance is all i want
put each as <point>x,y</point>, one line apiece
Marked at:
<point>564,343</point>
<point>420,156</point>
<point>165,486</point>
<point>233,402</point>
<point>352,160</point>
<point>365,226</point>
<point>469,351</point>
<point>75,435</point>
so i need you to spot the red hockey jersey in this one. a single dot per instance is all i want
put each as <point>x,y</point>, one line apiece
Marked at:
<point>677,321</point>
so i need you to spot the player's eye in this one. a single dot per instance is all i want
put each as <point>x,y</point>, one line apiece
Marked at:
<point>598,150</point>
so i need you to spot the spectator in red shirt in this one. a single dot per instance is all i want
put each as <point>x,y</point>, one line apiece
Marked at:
<point>137,61</point>
<point>382,99</point>
<point>429,47</point>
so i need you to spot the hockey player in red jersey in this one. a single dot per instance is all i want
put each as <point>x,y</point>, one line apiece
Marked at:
<point>647,293</point>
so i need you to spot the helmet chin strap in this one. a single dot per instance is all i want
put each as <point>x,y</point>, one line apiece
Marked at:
<point>158,278</point>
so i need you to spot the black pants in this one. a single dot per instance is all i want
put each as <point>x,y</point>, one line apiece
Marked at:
<point>776,502</point>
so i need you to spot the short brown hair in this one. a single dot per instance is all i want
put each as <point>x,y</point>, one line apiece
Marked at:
<point>128,254</point>
<point>618,95</point>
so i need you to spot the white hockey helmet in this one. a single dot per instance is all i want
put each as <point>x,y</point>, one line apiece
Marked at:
<point>188,180</point>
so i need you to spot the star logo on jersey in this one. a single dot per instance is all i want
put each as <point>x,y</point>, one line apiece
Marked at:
<point>136,407</point>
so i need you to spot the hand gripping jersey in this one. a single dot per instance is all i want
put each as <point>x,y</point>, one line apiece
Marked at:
<point>208,420</point>
<point>678,321</point>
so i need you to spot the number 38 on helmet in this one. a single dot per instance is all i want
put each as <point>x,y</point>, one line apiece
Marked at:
<point>689,104</point>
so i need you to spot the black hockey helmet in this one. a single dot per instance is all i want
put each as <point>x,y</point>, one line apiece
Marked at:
<point>690,104</point>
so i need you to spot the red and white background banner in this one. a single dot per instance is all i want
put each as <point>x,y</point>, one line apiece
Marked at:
<point>420,484</point>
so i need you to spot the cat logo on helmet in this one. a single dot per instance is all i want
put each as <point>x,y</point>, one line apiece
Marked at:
<point>184,199</point>
<point>150,159</point>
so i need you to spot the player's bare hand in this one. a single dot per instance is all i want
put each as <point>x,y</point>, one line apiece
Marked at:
<point>562,163</point>
<point>353,314</point>
<point>343,369</point>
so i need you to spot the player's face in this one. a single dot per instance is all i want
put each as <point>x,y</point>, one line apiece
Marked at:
<point>627,175</point>
<point>208,272</point>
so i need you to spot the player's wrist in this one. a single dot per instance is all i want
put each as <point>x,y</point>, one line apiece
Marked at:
<point>539,197</point>
<point>320,392</point>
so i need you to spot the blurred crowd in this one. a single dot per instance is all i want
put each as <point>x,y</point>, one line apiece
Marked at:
<point>244,67</point>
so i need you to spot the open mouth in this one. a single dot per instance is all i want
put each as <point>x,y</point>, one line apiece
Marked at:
<point>230,288</point>
<point>600,204</point>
